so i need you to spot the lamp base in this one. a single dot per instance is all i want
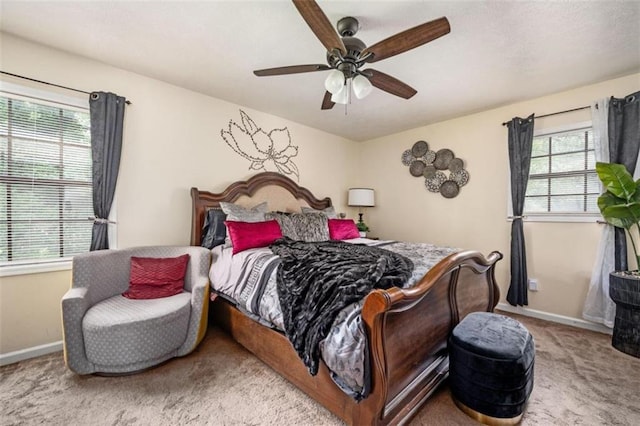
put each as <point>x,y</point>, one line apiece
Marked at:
<point>360,218</point>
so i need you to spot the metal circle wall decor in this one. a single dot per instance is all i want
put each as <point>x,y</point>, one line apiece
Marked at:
<point>419,148</point>
<point>443,158</point>
<point>416,168</point>
<point>433,167</point>
<point>407,157</point>
<point>449,189</point>
<point>456,165</point>
<point>429,157</point>
<point>429,171</point>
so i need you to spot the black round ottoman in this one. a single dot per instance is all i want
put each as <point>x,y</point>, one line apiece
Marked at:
<point>491,359</point>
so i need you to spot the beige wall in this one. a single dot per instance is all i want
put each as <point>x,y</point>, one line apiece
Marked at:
<point>29,309</point>
<point>171,143</point>
<point>560,255</point>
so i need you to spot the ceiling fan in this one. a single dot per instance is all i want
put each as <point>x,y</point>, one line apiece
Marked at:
<point>346,55</point>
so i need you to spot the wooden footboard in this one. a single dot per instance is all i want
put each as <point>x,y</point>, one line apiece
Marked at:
<point>407,331</point>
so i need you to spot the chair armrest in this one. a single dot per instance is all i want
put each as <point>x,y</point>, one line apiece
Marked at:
<point>104,273</point>
<point>76,296</point>
<point>75,304</point>
<point>199,315</point>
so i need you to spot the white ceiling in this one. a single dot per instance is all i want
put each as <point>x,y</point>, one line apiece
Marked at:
<point>498,52</point>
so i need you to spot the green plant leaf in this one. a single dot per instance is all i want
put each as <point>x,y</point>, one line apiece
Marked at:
<point>620,215</point>
<point>362,227</point>
<point>617,180</point>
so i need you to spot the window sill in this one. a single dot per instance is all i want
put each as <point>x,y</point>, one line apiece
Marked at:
<point>35,268</point>
<point>574,218</point>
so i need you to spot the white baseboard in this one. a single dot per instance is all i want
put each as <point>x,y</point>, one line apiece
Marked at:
<point>36,351</point>
<point>561,319</point>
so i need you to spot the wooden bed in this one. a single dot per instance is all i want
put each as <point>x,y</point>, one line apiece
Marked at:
<point>407,362</point>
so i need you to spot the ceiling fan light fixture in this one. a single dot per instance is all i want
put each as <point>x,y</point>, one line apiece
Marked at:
<point>361,86</point>
<point>342,97</point>
<point>334,82</point>
<point>345,54</point>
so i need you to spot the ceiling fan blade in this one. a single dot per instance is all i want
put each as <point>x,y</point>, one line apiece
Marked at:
<point>293,69</point>
<point>320,25</point>
<point>407,40</point>
<point>327,103</point>
<point>389,84</point>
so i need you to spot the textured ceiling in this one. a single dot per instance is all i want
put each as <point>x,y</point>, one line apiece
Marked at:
<point>498,52</point>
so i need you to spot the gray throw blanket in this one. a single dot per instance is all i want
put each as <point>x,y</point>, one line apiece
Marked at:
<point>315,281</point>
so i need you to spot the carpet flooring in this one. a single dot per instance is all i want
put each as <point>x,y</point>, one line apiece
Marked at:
<point>579,380</point>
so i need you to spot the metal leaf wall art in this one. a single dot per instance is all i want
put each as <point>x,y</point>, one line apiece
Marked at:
<point>267,151</point>
<point>441,170</point>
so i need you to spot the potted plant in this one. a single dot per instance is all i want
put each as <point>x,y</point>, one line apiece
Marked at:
<point>363,228</point>
<point>620,207</point>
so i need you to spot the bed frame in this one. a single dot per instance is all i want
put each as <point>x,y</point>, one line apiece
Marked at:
<point>407,329</point>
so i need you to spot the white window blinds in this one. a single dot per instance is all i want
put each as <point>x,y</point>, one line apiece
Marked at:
<point>562,177</point>
<point>45,180</point>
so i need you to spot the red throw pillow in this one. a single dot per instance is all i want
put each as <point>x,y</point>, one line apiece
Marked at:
<point>343,229</point>
<point>153,278</point>
<point>248,235</point>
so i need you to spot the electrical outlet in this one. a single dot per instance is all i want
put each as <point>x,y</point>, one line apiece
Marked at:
<point>533,284</point>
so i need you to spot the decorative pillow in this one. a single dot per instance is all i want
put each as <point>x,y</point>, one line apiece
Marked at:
<point>248,235</point>
<point>286,225</point>
<point>153,278</point>
<point>330,211</point>
<point>240,214</point>
<point>343,229</point>
<point>310,227</point>
<point>214,232</point>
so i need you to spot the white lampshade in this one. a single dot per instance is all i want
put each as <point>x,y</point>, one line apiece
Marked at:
<point>334,82</point>
<point>361,197</point>
<point>361,86</point>
<point>342,97</point>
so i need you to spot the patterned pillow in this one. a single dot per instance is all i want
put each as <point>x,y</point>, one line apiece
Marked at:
<point>240,214</point>
<point>330,211</point>
<point>153,278</point>
<point>286,225</point>
<point>311,227</point>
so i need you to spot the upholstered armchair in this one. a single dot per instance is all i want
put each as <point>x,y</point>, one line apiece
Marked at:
<point>105,332</point>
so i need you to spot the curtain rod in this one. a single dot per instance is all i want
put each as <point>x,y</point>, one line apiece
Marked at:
<point>51,84</point>
<point>555,113</point>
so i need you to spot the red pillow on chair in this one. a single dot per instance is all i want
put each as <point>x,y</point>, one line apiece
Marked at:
<point>343,229</point>
<point>153,278</point>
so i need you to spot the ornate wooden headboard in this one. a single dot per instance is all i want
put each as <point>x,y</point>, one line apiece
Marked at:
<point>203,200</point>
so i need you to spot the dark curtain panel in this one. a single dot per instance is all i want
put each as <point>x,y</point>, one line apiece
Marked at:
<point>520,141</point>
<point>107,117</point>
<point>624,144</point>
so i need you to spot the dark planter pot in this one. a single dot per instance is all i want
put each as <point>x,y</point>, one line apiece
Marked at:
<point>624,290</point>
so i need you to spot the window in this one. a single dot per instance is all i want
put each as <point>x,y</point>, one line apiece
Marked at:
<point>45,180</point>
<point>562,177</point>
